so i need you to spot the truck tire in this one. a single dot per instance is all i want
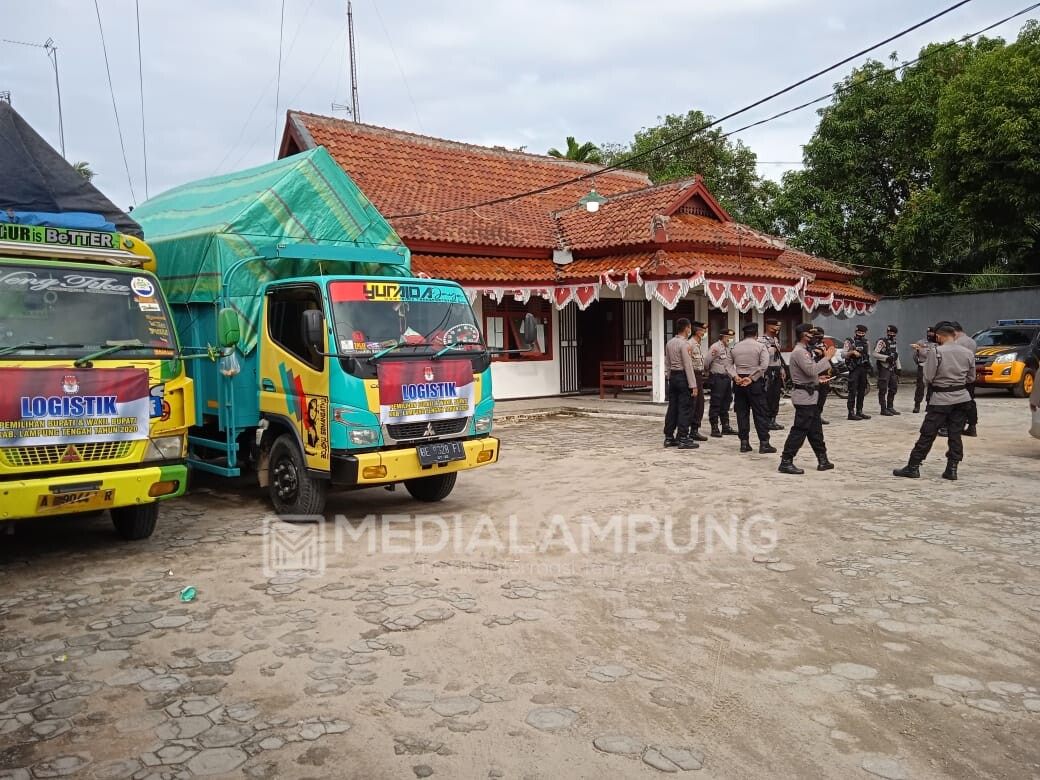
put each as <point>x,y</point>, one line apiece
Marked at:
<point>431,489</point>
<point>137,521</point>
<point>293,490</point>
<point>1025,386</point>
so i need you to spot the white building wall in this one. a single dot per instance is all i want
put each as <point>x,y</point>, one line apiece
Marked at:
<point>526,378</point>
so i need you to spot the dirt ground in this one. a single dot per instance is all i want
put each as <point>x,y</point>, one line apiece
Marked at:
<point>555,617</point>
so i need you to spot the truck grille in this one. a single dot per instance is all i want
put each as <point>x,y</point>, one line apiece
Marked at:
<point>53,454</point>
<point>419,430</point>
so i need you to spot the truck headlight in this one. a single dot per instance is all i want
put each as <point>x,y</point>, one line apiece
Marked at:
<point>1010,357</point>
<point>482,424</point>
<point>165,448</point>
<point>359,437</point>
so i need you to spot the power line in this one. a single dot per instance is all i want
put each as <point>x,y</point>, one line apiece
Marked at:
<point>115,109</point>
<point>52,55</point>
<point>937,273</point>
<point>278,78</point>
<point>140,83</point>
<point>691,133</point>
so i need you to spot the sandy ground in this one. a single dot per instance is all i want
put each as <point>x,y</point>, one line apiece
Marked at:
<point>555,620</point>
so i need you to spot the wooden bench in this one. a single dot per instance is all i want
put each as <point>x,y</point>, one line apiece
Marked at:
<point>625,375</point>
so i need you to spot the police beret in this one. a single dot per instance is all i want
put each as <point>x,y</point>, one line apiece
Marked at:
<point>697,325</point>
<point>726,332</point>
<point>750,329</point>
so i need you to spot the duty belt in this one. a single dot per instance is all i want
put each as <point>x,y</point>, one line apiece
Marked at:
<point>806,388</point>
<point>949,388</point>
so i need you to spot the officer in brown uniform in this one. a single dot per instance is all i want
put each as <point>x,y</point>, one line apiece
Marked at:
<point>949,368</point>
<point>682,387</point>
<point>719,365</point>
<point>750,361</point>
<point>697,357</point>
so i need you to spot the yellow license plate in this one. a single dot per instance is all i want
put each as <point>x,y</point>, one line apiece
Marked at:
<point>76,500</point>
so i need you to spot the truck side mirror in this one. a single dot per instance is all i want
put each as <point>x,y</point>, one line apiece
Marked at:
<point>314,329</point>
<point>528,332</point>
<point>228,331</point>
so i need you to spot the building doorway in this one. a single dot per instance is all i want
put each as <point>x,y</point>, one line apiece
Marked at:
<point>600,337</point>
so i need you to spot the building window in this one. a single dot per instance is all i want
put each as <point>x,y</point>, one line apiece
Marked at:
<point>502,322</point>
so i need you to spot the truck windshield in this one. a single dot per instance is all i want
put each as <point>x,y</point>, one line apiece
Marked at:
<point>422,318</point>
<point>50,313</point>
<point>1004,337</point>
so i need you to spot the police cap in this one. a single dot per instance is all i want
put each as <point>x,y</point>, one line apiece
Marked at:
<point>750,329</point>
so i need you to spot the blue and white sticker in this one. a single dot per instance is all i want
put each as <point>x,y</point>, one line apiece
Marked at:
<point>142,286</point>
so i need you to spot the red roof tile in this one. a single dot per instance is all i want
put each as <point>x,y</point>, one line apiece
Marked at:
<point>672,265</point>
<point>815,265</point>
<point>840,289</point>
<point>465,269</point>
<point>403,173</point>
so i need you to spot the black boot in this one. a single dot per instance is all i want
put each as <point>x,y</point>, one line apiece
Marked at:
<point>893,411</point>
<point>823,464</point>
<point>764,447</point>
<point>695,434</point>
<point>969,431</point>
<point>745,445</point>
<point>669,441</point>
<point>862,416</point>
<point>917,408</point>
<point>951,470</point>
<point>855,417</point>
<point>942,432</point>
<point>824,422</point>
<point>886,412</point>
<point>911,470</point>
<point>727,431</point>
<point>774,425</point>
<point>787,467</point>
<point>716,432</point>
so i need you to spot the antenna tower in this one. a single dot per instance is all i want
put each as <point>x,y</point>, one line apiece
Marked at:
<point>354,110</point>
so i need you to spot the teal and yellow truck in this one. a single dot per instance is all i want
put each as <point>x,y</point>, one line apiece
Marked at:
<point>340,370</point>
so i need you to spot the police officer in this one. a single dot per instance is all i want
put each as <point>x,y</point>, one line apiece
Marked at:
<point>818,349</point>
<point>682,387</point>
<point>857,358</point>
<point>750,361</point>
<point>808,375</point>
<point>973,411</point>
<point>887,355</point>
<point>948,370</point>
<point>920,349</point>
<point>775,374</point>
<point>719,365</point>
<point>697,357</point>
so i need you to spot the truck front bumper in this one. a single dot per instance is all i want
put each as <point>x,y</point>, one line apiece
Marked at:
<point>70,493</point>
<point>399,465</point>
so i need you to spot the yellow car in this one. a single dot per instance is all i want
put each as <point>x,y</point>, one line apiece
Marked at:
<point>1007,355</point>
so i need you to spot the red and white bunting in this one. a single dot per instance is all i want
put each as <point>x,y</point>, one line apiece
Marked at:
<point>746,296</point>
<point>581,294</point>
<point>670,291</point>
<point>616,280</point>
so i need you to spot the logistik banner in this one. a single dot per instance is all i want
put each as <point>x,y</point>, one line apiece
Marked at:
<point>417,391</point>
<point>40,406</point>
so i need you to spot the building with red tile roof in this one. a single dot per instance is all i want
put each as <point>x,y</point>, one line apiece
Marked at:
<point>605,285</point>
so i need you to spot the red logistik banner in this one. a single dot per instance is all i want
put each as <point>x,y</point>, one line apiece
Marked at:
<point>416,391</point>
<point>40,406</point>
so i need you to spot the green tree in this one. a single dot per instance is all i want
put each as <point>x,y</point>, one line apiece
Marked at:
<point>729,167</point>
<point>869,194</point>
<point>586,152</point>
<point>84,170</point>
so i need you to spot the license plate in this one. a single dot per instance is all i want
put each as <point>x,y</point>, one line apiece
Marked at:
<point>440,452</point>
<point>76,500</point>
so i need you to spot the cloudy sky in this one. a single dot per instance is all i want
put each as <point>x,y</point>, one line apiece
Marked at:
<point>483,71</point>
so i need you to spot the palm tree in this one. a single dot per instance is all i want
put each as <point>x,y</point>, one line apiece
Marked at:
<point>83,169</point>
<point>586,152</point>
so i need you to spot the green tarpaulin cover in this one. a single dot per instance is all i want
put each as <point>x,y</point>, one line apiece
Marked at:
<point>200,231</point>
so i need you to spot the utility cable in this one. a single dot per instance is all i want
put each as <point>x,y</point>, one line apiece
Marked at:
<point>115,109</point>
<point>278,80</point>
<point>691,133</point>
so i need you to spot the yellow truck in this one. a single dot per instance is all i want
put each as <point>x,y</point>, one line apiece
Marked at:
<point>94,401</point>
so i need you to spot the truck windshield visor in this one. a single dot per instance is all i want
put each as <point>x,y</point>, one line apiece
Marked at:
<point>421,318</point>
<point>50,313</point>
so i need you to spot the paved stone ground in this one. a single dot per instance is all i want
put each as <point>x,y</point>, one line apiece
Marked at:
<point>891,632</point>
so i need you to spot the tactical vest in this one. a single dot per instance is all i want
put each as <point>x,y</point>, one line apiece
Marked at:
<point>863,347</point>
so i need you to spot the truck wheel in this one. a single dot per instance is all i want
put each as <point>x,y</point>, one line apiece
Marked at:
<point>135,522</point>
<point>1025,386</point>
<point>431,488</point>
<point>293,491</point>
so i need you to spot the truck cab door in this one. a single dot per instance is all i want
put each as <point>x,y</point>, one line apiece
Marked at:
<point>293,380</point>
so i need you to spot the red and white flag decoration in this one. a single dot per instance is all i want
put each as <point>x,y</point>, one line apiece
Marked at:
<point>669,292</point>
<point>616,281</point>
<point>745,296</point>
<point>581,294</point>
